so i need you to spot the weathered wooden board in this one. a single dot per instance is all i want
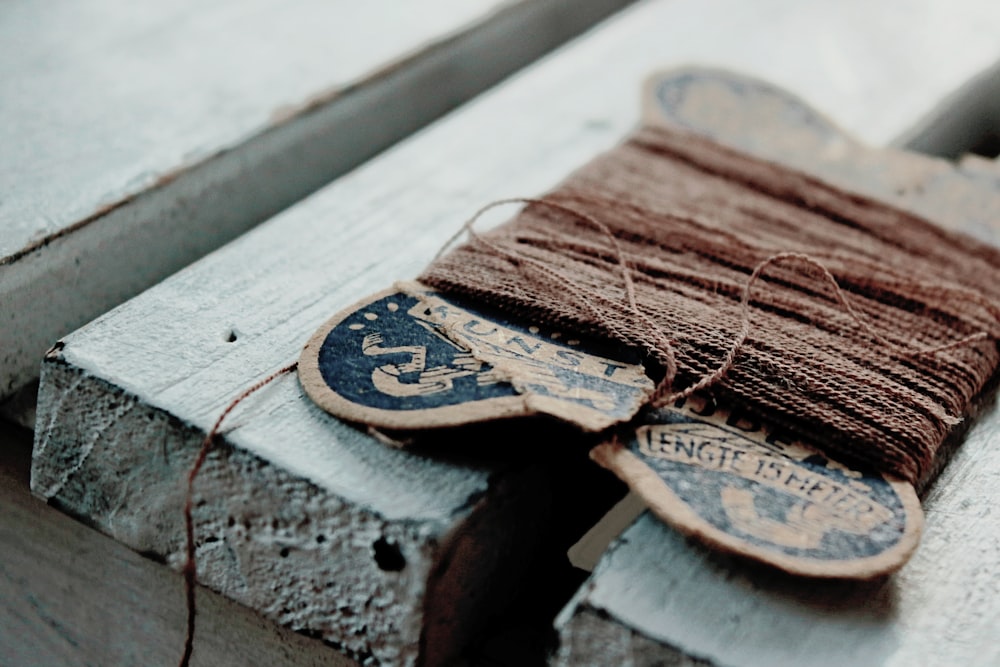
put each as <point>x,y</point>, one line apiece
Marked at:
<point>966,121</point>
<point>137,138</point>
<point>312,522</point>
<point>125,401</point>
<point>71,596</point>
<point>655,597</point>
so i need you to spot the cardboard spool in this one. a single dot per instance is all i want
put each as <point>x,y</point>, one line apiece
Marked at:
<point>410,358</point>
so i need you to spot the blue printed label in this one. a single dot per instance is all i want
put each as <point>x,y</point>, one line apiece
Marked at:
<point>724,477</point>
<point>410,358</point>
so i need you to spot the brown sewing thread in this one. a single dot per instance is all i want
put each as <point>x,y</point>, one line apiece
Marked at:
<point>662,348</point>
<point>659,348</point>
<point>878,366</point>
<point>664,396</point>
<point>190,566</point>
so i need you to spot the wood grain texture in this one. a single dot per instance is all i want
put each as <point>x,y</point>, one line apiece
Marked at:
<point>151,376</point>
<point>72,597</point>
<point>941,608</point>
<point>136,139</point>
<point>389,556</point>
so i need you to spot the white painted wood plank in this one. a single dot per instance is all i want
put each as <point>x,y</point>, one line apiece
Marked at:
<point>388,555</point>
<point>135,138</point>
<point>656,597</point>
<point>71,597</point>
<point>164,355</point>
<point>495,147</point>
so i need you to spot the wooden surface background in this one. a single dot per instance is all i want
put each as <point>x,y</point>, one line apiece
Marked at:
<point>136,138</point>
<point>70,596</point>
<point>166,355</point>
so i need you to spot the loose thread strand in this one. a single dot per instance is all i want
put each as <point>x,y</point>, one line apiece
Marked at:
<point>663,398</point>
<point>662,348</point>
<point>190,566</point>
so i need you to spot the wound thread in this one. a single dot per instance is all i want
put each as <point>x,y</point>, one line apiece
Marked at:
<point>190,564</point>
<point>855,325</point>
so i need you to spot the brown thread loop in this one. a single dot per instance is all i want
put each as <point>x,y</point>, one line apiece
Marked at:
<point>190,564</point>
<point>661,349</point>
<point>880,383</point>
<point>660,398</point>
<point>665,350</point>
